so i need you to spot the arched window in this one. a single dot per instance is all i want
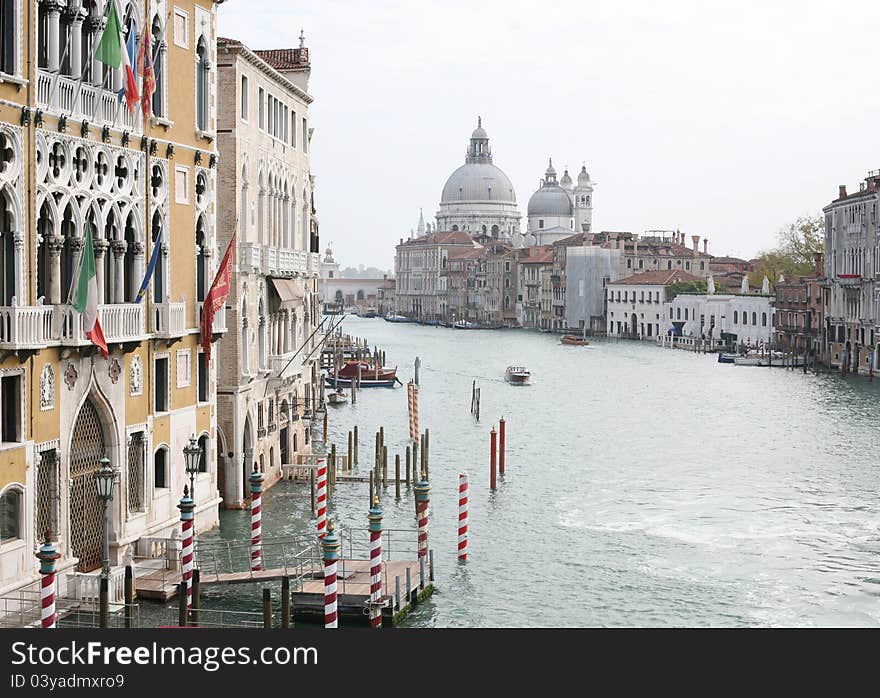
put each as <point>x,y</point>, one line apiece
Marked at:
<point>160,469</point>
<point>158,98</point>
<point>10,515</point>
<point>132,283</point>
<point>8,264</point>
<point>159,274</point>
<point>454,228</point>
<point>203,453</point>
<point>44,271</point>
<point>201,260</point>
<point>763,319</point>
<point>754,318</point>
<point>261,210</point>
<point>202,85</point>
<point>261,339</point>
<point>243,207</point>
<point>685,313</point>
<point>735,317</point>
<point>245,366</point>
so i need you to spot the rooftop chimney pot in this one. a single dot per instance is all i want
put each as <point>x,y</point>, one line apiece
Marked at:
<point>841,191</point>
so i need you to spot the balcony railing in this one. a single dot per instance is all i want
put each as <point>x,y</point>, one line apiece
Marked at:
<point>219,321</point>
<point>121,322</point>
<point>26,327</point>
<point>168,320</point>
<point>84,102</point>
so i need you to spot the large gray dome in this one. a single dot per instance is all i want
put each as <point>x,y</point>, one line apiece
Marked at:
<point>478,181</point>
<point>550,200</point>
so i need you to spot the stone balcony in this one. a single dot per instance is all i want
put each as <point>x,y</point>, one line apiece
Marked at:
<point>219,325</point>
<point>82,102</point>
<point>121,322</point>
<point>168,320</point>
<point>26,327</point>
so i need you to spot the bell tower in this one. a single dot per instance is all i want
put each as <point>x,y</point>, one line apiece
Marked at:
<point>583,202</point>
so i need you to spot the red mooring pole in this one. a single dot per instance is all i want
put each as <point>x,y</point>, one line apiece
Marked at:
<point>501,446</point>
<point>492,456</point>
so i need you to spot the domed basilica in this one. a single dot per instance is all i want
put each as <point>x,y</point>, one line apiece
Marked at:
<point>559,208</point>
<point>478,197</point>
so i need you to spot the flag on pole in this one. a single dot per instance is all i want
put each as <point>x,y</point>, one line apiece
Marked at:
<point>86,299</point>
<point>131,56</point>
<point>110,52</point>
<point>145,68</point>
<point>151,267</point>
<point>215,299</point>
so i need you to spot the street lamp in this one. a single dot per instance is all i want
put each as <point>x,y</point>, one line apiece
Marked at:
<point>192,456</point>
<point>104,479</point>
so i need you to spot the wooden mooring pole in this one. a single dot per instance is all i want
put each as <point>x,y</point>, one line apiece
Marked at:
<point>197,597</point>
<point>384,466</point>
<point>397,476</point>
<point>355,444</point>
<point>501,426</point>
<point>492,455</point>
<point>181,604</point>
<point>285,602</point>
<point>350,450</point>
<point>129,597</point>
<point>408,456</point>
<point>267,608</point>
<point>312,487</point>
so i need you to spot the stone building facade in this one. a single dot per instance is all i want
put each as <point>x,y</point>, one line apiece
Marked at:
<point>269,366</point>
<point>74,158</point>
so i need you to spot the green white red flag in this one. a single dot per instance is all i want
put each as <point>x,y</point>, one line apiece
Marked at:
<point>85,298</point>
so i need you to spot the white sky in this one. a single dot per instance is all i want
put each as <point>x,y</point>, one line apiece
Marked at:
<point>726,120</point>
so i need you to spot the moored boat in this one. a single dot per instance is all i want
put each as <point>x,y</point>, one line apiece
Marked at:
<point>350,370</point>
<point>397,318</point>
<point>337,397</point>
<point>573,340</point>
<point>518,375</point>
<point>364,382</point>
<point>726,358</point>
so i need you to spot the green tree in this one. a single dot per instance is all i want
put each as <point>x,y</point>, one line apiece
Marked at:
<point>793,256</point>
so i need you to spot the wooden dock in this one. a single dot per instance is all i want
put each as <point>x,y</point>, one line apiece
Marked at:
<point>353,588</point>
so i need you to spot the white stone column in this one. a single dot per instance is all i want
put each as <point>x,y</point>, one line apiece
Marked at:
<point>55,245</point>
<point>118,248</point>
<point>53,44</point>
<point>75,40</point>
<point>137,249</point>
<point>95,28</point>
<point>100,247</point>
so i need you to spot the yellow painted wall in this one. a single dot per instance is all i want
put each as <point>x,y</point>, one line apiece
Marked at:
<point>137,407</point>
<point>44,425</point>
<point>161,430</point>
<point>13,466</point>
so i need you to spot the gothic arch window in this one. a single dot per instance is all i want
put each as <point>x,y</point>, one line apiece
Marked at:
<point>245,340</point>
<point>261,338</point>
<point>71,246</point>
<point>44,231</point>
<point>160,468</point>
<point>202,81</point>
<point>9,264</point>
<point>261,210</point>
<point>201,190</point>
<point>87,447</point>
<point>159,273</point>
<point>11,505</point>
<point>292,215</point>
<point>243,206</point>
<point>202,260</point>
<point>158,55</point>
<point>132,255</point>
<point>7,36</point>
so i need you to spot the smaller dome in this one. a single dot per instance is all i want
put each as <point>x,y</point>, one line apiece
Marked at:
<point>480,133</point>
<point>550,201</point>
<point>565,182</point>
<point>551,171</point>
<point>584,176</point>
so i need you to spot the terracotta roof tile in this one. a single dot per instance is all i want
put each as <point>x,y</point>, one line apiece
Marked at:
<point>661,277</point>
<point>285,58</point>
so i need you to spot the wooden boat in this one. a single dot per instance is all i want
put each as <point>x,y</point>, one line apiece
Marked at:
<point>337,397</point>
<point>573,340</point>
<point>382,373</point>
<point>518,375</point>
<point>364,383</point>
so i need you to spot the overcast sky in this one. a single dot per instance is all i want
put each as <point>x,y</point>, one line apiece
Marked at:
<point>724,120</point>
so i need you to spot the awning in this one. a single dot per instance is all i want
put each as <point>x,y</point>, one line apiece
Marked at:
<point>288,290</point>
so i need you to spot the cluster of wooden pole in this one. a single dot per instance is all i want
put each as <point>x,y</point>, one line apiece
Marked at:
<point>496,453</point>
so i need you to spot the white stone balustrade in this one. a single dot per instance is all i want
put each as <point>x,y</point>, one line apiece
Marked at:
<point>168,320</point>
<point>121,322</point>
<point>86,586</point>
<point>79,101</point>
<point>25,327</point>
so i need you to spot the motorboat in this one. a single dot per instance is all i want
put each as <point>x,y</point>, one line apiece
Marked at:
<point>337,397</point>
<point>363,383</point>
<point>398,318</point>
<point>350,370</point>
<point>726,358</point>
<point>367,313</point>
<point>573,340</point>
<point>518,375</point>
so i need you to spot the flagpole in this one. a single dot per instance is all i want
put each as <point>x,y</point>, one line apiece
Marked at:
<point>82,74</point>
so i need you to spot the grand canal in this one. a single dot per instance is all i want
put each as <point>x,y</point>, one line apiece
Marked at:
<point>644,486</point>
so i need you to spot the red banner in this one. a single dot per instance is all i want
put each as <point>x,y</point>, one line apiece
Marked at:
<point>216,298</point>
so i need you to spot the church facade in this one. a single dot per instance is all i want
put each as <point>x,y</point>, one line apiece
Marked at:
<point>559,208</point>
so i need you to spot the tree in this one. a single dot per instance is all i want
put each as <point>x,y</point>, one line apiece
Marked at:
<point>793,256</point>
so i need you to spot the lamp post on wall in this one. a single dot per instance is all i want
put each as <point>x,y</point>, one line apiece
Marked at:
<point>104,478</point>
<point>192,457</point>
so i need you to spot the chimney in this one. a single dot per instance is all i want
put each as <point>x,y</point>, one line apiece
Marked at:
<point>696,240</point>
<point>818,263</point>
<point>705,245</point>
<point>841,191</point>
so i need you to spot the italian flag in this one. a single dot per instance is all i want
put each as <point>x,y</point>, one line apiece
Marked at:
<point>112,51</point>
<point>85,299</point>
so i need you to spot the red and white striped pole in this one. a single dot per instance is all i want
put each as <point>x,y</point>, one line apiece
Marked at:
<point>462,515</point>
<point>256,520</point>
<point>330,549</point>
<point>322,497</point>
<point>375,518</point>
<point>187,507</point>
<point>422,491</point>
<point>47,556</point>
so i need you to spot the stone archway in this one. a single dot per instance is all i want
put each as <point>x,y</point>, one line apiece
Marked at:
<point>634,325</point>
<point>87,447</point>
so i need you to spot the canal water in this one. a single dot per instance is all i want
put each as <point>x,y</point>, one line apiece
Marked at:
<point>644,486</point>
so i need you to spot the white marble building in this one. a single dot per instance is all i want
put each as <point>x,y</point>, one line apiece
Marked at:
<point>636,304</point>
<point>478,197</point>
<point>559,209</point>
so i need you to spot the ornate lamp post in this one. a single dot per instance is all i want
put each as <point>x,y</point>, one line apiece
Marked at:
<point>192,457</point>
<point>104,478</point>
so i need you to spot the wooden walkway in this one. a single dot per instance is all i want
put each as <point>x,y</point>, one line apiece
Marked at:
<point>353,587</point>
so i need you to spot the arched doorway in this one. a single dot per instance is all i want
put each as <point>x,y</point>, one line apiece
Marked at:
<point>634,325</point>
<point>87,448</point>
